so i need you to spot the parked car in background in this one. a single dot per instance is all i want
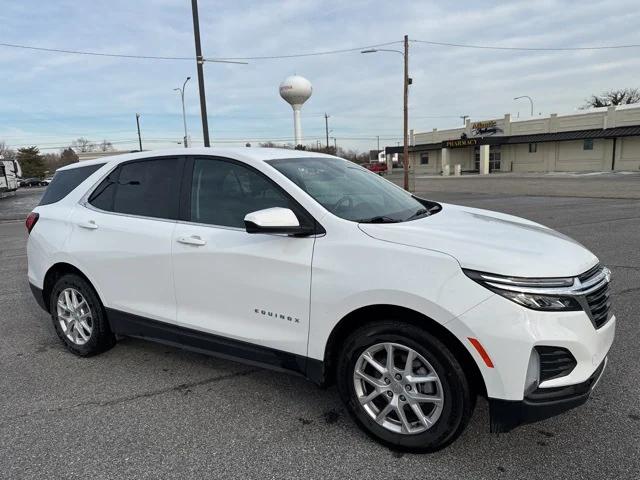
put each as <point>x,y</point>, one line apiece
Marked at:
<point>46,181</point>
<point>310,263</point>
<point>31,182</point>
<point>377,167</point>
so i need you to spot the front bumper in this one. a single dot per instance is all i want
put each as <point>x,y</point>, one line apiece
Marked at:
<point>509,333</point>
<point>542,403</point>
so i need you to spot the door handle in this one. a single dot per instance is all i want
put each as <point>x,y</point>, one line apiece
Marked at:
<point>90,225</point>
<point>192,240</point>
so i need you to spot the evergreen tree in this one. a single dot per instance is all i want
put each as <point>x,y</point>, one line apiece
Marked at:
<point>31,162</point>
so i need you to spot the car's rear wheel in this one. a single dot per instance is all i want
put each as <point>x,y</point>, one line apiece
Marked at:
<point>403,386</point>
<point>78,316</point>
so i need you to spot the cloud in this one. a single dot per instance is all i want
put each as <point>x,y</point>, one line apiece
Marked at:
<point>56,97</point>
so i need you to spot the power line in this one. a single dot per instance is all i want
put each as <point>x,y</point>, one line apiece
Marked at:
<point>313,54</point>
<point>95,54</point>
<point>206,59</point>
<point>530,49</point>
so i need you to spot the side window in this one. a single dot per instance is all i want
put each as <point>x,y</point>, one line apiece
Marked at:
<point>65,181</point>
<point>149,188</point>
<point>222,193</point>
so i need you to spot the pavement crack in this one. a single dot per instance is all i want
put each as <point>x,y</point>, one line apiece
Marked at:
<point>607,220</point>
<point>138,396</point>
<point>630,267</point>
<point>627,290</point>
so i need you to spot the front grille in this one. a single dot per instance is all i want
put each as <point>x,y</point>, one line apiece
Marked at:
<point>597,301</point>
<point>599,304</point>
<point>555,362</point>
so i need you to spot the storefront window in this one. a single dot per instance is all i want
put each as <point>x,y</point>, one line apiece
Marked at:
<point>424,158</point>
<point>533,147</point>
<point>587,144</point>
<point>494,158</point>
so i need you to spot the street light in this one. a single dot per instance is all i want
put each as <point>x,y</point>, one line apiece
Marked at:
<point>184,117</point>
<point>407,82</point>
<point>530,101</point>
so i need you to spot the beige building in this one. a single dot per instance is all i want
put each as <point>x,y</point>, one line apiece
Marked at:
<point>601,139</point>
<point>82,156</point>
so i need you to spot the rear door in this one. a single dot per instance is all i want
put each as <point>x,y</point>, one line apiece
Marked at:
<point>250,287</point>
<point>122,236</point>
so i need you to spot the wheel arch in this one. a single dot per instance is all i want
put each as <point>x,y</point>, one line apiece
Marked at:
<point>372,313</point>
<point>56,271</point>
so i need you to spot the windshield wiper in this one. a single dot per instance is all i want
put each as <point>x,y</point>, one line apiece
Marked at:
<point>378,219</point>
<point>419,213</point>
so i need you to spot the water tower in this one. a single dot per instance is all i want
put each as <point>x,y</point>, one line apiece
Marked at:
<point>296,90</point>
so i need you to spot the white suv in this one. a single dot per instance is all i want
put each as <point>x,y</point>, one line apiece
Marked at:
<point>309,263</point>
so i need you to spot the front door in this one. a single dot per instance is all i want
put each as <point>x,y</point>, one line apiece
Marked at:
<point>249,287</point>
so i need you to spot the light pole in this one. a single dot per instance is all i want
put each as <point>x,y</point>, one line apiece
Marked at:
<point>184,116</point>
<point>139,136</point>
<point>407,81</point>
<point>530,101</point>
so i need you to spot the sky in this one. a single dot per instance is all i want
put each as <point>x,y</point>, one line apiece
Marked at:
<point>49,99</point>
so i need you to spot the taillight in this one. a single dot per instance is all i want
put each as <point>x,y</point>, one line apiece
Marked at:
<point>31,221</point>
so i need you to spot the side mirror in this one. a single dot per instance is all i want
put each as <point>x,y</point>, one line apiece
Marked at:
<point>274,220</point>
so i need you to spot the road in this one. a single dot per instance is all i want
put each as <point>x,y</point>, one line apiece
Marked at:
<point>17,206</point>
<point>148,411</point>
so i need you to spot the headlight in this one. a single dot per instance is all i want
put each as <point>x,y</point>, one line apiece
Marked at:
<point>551,294</point>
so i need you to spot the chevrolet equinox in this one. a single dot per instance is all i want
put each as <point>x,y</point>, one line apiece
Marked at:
<point>309,263</point>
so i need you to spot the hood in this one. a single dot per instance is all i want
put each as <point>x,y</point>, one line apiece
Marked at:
<point>490,242</point>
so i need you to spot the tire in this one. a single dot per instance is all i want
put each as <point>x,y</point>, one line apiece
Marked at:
<point>449,417</point>
<point>88,341</point>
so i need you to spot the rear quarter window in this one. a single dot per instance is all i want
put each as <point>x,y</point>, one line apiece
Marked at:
<point>65,181</point>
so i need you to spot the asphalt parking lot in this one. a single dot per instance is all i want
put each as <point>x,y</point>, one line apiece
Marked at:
<point>149,411</point>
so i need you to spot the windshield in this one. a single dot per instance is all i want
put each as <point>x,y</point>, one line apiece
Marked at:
<point>350,191</point>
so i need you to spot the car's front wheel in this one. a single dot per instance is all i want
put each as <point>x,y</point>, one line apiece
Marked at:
<point>78,316</point>
<point>403,386</point>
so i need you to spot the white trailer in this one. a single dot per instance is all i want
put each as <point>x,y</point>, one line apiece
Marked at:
<point>9,173</point>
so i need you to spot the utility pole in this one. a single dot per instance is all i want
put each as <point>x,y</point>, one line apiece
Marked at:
<point>464,119</point>
<point>335,146</point>
<point>139,137</point>
<point>184,116</point>
<point>326,127</point>
<point>407,81</point>
<point>378,137</point>
<point>199,62</point>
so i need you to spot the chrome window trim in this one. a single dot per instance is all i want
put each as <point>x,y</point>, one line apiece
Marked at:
<point>88,206</point>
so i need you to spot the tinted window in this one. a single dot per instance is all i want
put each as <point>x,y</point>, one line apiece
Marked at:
<point>64,181</point>
<point>349,191</point>
<point>149,188</point>
<point>222,193</point>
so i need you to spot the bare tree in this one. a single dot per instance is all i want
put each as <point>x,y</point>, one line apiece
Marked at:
<point>624,96</point>
<point>83,145</point>
<point>6,152</point>
<point>105,146</point>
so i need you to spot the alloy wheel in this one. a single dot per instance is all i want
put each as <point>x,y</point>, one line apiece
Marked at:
<point>398,388</point>
<point>74,316</point>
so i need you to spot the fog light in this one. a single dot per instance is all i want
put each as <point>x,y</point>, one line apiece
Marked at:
<point>532,379</point>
